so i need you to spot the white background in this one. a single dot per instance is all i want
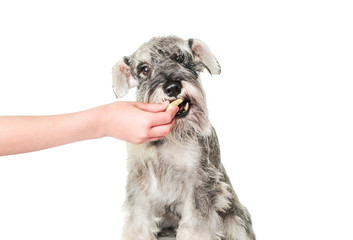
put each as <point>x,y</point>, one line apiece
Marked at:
<point>282,108</point>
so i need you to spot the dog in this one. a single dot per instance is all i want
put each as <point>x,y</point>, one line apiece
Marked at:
<point>177,186</point>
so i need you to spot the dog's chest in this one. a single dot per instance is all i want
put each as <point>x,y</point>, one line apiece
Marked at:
<point>179,156</point>
<point>168,170</point>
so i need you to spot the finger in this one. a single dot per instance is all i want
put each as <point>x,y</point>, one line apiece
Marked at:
<point>153,107</point>
<point>161,130</point>
<point>154,139</point>
<point>162,118</point>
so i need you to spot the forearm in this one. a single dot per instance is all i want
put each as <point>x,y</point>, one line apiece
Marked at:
<point>27,134</point>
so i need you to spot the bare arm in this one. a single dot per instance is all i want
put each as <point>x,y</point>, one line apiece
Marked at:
<point>129,121</point>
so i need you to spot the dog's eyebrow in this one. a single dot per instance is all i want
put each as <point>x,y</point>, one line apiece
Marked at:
<point>161,52</point>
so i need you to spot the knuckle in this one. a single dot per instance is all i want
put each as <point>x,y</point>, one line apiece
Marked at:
<point>139,140</point>
<point>143,135</point>
<point>167,130</point>
<point>145,123</point>
<point>148,120</point>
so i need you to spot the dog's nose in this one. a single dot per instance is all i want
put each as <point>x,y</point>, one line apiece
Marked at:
<point>172,88</point>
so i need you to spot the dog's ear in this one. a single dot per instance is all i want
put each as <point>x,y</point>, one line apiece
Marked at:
<point>122,80</point>
<point>202,53</point>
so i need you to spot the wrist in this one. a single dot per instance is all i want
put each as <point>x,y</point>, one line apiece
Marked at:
<point>94,122</point>
<point>100,121</point>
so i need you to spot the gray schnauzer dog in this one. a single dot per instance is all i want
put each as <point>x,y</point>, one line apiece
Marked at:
<point>177,186</point>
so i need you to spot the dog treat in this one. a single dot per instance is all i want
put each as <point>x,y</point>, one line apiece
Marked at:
<point>174,103</point>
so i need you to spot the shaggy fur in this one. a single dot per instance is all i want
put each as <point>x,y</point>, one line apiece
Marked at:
<point>177,186</point>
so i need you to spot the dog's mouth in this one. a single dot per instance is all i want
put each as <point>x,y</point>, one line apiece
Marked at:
<point>184,108</point>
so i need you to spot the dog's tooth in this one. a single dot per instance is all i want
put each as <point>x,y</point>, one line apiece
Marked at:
<point>186,106</point>
<point>174,103</point>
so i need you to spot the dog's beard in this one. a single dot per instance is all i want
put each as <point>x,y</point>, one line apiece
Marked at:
<point>191,125</point>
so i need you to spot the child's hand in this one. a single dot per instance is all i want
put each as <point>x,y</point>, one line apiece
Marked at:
<point>137,122</point>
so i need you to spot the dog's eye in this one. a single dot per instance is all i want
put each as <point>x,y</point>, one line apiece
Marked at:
<point>145,70</point>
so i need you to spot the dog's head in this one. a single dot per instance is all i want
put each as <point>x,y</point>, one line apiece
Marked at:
<point>167,68</point>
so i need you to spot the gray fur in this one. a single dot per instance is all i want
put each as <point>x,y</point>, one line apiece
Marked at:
<point>177,186</point>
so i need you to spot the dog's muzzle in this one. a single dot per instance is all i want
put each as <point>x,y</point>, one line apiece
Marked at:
<point>172,89</point>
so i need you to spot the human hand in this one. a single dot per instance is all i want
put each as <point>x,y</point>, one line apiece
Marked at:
<point>137,122</point>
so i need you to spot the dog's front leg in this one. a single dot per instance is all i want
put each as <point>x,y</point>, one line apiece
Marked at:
<point>200,229</point>
<point>140,223</point>
<point>199,225</point>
